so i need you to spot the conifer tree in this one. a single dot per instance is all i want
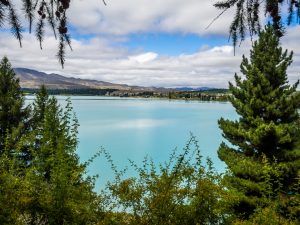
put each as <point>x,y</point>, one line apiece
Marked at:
<point>267,130</point>
<point>60,193</point>
<point>42,180</point>
<point>14,116</point>
<point>14,152</point>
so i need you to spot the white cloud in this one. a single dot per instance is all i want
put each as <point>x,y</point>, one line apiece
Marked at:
<point>144,58</point>
<point>97,59</point>
<point>131,16</point>
<point>100,58</point>
<point>222,49</point>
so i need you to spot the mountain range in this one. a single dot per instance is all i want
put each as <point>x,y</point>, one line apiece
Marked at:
<point>194,89</point>
<point>33,79</point>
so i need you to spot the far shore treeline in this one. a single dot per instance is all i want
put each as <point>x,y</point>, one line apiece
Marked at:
<point>43,182</point>
<point>211,94</point>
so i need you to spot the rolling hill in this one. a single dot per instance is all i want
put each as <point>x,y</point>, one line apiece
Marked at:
<point>33,79</point>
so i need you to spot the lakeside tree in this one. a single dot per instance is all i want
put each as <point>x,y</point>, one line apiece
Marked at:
<point>14,157</point>
<point>59,192</point>
<point>50,187</point>
<point>14,115</point>
<point>267,133</point>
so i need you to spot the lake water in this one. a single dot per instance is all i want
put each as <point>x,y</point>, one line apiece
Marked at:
<point>133,128</point>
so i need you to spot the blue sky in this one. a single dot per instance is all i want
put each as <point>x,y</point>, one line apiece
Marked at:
<point>173,44</point>
<point>162,43</point>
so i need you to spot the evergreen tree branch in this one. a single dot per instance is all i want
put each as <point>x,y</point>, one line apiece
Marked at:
<point>61,50</point>
<point>250,9</point>
<point>27,5</point>
<point>40,31</point>
<point>14,21</point>
<point>2,15</point>
<point>68,40</point>
<point>51,17</point>
<point>216,18</point>
<point>291,14</point>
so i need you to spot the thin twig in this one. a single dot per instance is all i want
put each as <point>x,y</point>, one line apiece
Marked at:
<point>217,17</point>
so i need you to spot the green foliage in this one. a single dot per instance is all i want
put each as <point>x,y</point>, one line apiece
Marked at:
<point>267,130</point>
<point>60,194</point>
<point>278,207</point>
<point>10,191</point>
<point>247,15</point>
<point>14,116</point>
<point>181,191</point>
<point>53,13</point>
<point>43,182</point>
<point>51,186</point>
<point>267,216</point>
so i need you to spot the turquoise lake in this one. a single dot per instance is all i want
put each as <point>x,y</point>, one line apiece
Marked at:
<point>130,128</point>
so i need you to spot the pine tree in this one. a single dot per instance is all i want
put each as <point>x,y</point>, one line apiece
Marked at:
<point>268,127</point>
<point>42,180</point>
<point>14,152</point>
<point>39,105</point>
<point>14,116</point>
<point>60,193</point>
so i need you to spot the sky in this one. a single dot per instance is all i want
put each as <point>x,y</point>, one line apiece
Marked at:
<point>146,43</point>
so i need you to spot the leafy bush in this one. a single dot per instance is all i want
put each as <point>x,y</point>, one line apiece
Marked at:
<point>182,190</point>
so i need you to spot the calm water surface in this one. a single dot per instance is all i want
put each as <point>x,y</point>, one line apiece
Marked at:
<point>133,128</point>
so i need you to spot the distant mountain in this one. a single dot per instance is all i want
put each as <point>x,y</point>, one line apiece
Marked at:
<point>194,89</point>
<point>34,79</point>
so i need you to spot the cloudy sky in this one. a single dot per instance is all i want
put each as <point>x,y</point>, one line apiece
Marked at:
<point>141,42</point>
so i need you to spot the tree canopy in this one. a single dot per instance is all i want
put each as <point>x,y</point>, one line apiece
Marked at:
<point>14,115</point>
<point>264,155</point>
<point>42,180</point>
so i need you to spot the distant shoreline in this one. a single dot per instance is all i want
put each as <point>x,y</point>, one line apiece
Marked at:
<point>220,95</point>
